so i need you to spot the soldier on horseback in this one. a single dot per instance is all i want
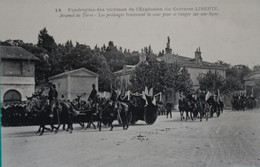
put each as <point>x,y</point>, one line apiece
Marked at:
<point>53,94</point>
<point>93,97</point>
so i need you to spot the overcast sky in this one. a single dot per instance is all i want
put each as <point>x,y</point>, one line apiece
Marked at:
<point>233,36</point>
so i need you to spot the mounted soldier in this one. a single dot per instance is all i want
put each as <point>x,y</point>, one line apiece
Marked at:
<point>53,94</point>
<point>93,96</point>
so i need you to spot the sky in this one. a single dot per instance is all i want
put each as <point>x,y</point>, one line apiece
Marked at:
<point>232,36</point>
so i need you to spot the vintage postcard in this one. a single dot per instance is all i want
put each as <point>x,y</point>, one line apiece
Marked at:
<point>130,83</point>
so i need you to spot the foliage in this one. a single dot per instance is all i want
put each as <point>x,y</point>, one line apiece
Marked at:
<point>57,58</point>
<point>159,75</point>
<point>212,81</point>
<point>46,41</point>
<point>234,78</point>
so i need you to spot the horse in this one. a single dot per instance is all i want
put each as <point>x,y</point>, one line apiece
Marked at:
<point>202,108</point>
<point>109,111</point>
<point>188,109</point>
<point>85,113</point>
<point>64,113</point>
<point>40,106</point>
<point>213,106</point>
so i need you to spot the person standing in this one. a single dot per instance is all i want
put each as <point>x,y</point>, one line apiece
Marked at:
<point>169,109</point>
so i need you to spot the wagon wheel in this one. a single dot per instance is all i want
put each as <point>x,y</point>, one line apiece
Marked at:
<point>133,122</point>
<point>150,115</point>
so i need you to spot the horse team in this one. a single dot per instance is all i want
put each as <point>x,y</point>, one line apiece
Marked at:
<point>63,112</point>
<point>103,111</point>
<point>241,102</point>
<point>198,107</point>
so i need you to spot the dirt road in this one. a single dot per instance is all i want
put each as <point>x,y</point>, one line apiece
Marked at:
<point>233,139</point>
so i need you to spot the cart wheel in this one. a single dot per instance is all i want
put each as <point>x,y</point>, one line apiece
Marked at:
<point>150,114</point>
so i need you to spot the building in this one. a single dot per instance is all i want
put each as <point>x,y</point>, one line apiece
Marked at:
<point>74,83</point>
<point>17,75</point>
<point>195,66</point>
<point>252,84</point>
<point>124,74</point>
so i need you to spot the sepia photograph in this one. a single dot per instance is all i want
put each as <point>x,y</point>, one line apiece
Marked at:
<point>135,83</point>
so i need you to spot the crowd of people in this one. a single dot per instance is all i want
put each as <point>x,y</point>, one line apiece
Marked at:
<point>242,102</point>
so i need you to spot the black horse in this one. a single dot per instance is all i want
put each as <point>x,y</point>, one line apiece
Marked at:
<point>63,113</point>
<point>40,107</point>
<point>110,111</point>
<point>203,109</point>
<point>189,109</point>
<point>214,106</point>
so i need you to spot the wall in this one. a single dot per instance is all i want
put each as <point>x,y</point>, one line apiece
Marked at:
<point>124,80</point>
<point>17,75</point>
<point>196,72</point>
<point>23,89</point>
<point>61,86</point>
<point>81,85</point>
<point>17,68</point>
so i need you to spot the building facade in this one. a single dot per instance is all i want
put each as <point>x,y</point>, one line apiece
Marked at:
<point>124,74</point>
<point>195,66</point>
<point>17,74</point>
<point>252,84</point>
<point>75,83</point>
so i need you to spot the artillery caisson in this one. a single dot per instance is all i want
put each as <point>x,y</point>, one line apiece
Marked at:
<point>139,109</point>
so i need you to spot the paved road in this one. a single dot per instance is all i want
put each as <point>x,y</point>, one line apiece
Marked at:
<point>233,139</point>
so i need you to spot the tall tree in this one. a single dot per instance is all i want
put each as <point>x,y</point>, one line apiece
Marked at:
<point>212,81</point>
<point>46,41</point>
<point>159,75</point>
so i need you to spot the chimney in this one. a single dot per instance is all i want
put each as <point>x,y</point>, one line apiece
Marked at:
<point>168,47</point>
<point>198,57</point>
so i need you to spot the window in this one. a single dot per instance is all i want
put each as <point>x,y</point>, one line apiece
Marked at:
<point>12,95</point>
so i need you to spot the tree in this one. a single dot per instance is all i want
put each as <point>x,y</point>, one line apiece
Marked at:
<point>184,82</point>
<point>243,70</point>
<point>159,75</point>
<point>212,81</point>
<point>46,41</point>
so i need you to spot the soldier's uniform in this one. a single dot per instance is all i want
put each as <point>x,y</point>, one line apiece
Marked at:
<point>93,96</point>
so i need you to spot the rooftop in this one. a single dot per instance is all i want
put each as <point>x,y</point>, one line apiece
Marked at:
<point>189,62</point>
<point>14,52</point>
<point>81,71</point>
<point>252,76</point>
